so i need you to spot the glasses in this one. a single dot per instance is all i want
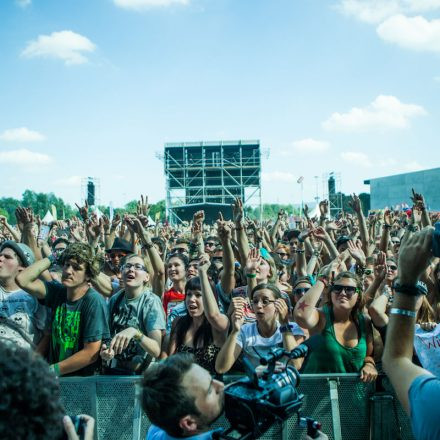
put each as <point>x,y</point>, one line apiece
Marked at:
<point>282,254</point>
<point>392,267</point>
<point>265,302</point>
<point>349,290</point>
<point>179,250</point>
<point>137,266</point>
<point>300,290</point>
<point>114,256</point>
<point>210,243</point>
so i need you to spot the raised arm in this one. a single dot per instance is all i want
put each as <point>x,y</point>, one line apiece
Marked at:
<point>28,280</point>
<point>419,203</point>
<point>414,257</point>
<point>218,320</point>
<point>322,235</point>
<point>356,205</point>
<point>227,281</point>
<point>242,240</point>
<point>15,234</point>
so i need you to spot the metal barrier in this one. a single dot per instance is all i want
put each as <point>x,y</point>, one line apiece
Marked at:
<point>346,407</point>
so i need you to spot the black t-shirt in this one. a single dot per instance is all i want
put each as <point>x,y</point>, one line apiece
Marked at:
<point>75,323</point>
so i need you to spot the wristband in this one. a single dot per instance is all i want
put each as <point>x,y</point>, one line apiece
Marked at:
<point>387,226</point>
<point>403,312</point>
<point>286,328</point>
<point>138,336</point>
<point>55,368</point>
<point>148,245</point>
<point>323,280</point>
<point>52,259</point>
<point>251,275</point>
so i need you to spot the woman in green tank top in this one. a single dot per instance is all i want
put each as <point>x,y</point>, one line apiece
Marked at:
<point>347,342</point>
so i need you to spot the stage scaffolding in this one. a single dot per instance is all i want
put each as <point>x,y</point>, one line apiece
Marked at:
<point>209,176</point>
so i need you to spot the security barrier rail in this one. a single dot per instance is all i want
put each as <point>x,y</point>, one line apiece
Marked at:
<point>347,408</point>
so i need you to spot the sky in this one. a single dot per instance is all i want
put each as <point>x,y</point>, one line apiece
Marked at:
<point>96,87</point>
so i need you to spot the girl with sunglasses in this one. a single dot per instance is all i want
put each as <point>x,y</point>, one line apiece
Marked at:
<point>347,341</point>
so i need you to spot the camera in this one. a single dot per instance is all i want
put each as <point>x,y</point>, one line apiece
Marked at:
<point>253,404</point>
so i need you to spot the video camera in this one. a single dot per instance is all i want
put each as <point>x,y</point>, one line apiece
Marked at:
<point>253,404</point>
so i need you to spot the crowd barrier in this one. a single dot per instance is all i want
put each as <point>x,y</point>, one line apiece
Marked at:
<point>347,408</point>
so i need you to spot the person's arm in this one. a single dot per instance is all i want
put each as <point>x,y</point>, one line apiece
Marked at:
<point>231,349</point>
<point>228,274</point>
<point>150,343</point>
<point>385,237</point>
<point>368,370</point>
<point>15,234</point>
<point>306,314</point>
<point>274,230</point>
<point>102,283</point>
<point>27,219</point>
<point>242,240</point>
<point>323,210</point>
<point>378,307</point>
<point>28,280</point>
<point>88,355</point>
<point>289,341</point>
<point>414,256</point>
<point>322,235</point>
<point>300,260</point>
<point>419,203</point>
<point>218,320</point>
<point>356,205</point>
<point>252,264</point>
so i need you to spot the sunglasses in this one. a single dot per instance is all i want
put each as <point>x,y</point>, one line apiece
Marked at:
<point>179,250</point>
<point>282,254</point>
<point>210,244</point>
<point>301,290</point>
<point>349,290</point>
<point>392,267</point>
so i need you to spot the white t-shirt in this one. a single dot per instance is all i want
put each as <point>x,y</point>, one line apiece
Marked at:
<point>255,346</point>
<point>25,312</point>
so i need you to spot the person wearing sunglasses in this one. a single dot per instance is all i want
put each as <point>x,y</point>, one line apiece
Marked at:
<point>255,339</point>
<point>136,321</point>
<point>347,342</point>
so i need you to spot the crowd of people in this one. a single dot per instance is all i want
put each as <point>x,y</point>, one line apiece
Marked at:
<point>94,295</point>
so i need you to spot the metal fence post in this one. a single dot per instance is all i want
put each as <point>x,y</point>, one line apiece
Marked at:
<point>334,402</point>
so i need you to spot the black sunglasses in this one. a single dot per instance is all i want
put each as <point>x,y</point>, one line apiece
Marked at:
<point>349,290</point>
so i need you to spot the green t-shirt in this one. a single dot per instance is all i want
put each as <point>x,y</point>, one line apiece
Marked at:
<point>75,323</point>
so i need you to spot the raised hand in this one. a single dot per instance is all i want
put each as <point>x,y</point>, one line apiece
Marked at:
<point>306,211</point>
<point>203,264</point>
<point>224,228</point>
<point>106,224</point>
<point>355,250</point>
<point>319,233</point>
<point>253,260</point>
<point>115,222</point>
<point>25,216</point>
<point>83,210</point>
<point>143,208</point>
<point>355,203</point>
<point>418,200</point>
<point>199,217</point>
<point>380,266</point>
<point>283,310</point>
<point>237,210</point>
<point>134,224</point>
<point>323,208</point>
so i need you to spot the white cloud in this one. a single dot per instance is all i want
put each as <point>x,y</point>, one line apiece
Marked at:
<point>23,3</point>
<point>413,166</point>
<point>307,145</point>
<point>383,112</point>
<point>278,176</point>
<point>65,45</point>
<point>24,157</point>
<point>139,5</point>
<point>375,11</point>
<point>356,158</point>
<point>415,33</point>
<point>69,181</point>
<point>21,134</point>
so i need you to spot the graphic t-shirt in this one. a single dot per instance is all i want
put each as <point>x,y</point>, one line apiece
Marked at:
<point>21,311</point>
<point>75,323</point>
<point>144,313</point>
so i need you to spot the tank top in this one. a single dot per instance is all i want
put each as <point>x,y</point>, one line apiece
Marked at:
<point>333,357</point>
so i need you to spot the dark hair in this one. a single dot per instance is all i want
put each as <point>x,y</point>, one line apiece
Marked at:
<point>83,253</point>
<point>203,335</point>
<point>183,258</point>
<point>274,289</point>
<point>30,406</point>
<point>60,240</point>
<point>164,399</point>
<point>358,307</point>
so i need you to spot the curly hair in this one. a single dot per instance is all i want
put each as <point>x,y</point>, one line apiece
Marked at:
<point>83,253</point>
<point>29,396</point>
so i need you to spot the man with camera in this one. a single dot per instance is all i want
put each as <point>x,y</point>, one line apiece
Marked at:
<point>182,400</point>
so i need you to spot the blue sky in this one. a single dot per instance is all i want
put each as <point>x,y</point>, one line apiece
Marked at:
<point>96,87</point>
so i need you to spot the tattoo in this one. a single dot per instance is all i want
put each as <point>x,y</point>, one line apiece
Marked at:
<point>302,305</point>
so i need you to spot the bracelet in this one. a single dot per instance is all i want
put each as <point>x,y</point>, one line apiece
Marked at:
<point>251,275</point>
<point>412,228</point>
<point>55,368</point>
<point>323,280</point>
<point>371,362</point>
<point>286,328</point>
<point>138,336</point>
<point>148,245</point>
<point>403,312</point>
